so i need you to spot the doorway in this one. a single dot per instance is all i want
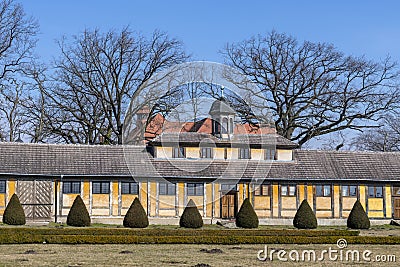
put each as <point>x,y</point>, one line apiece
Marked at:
<point>229,205</point>
<point>396,207</point>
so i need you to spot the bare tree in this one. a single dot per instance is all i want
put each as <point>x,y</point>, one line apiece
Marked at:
<point>17,37</point>
<point>311,88</point>
<point>384,138</point>
<point>17,40</point>
<point>95,78</point>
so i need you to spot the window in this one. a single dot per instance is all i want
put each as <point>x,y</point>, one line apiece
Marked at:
<point>131,188</point>
<point>323,190</point>
<point>349,190</point>
<point>166,188</point>
<point>206,153</point>
<point>231,126</point>
<point>178,152</point>
<point>2,186</point>
<point>262,190</point>
<point>288,190</point>
<point>269,154</point>
<point>244,153</point>
<point>375,191</point>
<point>195,189</point>
<point>101,187</point>
<point>71,187</point>
<point>228,187</point>
<point>396,190</point>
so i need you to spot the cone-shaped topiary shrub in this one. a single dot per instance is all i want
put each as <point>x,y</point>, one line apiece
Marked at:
<point>246,217</point>
<point>14,213</point>
<point>136,216</point>
<point>305,217</point>
<point>358,219</point>
<point>191,217</point>
<point>78,214</point>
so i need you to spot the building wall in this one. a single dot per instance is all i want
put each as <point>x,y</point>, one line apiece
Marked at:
<point>273,205</point>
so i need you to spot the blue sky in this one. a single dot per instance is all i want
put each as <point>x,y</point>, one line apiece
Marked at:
<point>370,28</point>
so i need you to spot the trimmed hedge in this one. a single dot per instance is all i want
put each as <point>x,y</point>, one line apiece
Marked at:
<point>78,215</point>
<point>14,213</point>
<point>358,219</point>
<point>305,217</point>
<point>171,232</point>
<point>191,217</point>
<point>202,239</point>
<point>246,217</point>
<point>136,216</point>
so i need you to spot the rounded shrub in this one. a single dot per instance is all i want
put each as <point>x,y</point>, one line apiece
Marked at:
<point>305,217</point>
<point>78,214</point>
<point>136,216</point>
<point>191,217</point>
<point>246,217</point>
<point>358,219</point>
<point>14,213</point>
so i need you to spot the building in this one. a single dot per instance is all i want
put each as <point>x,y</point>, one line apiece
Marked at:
<point>213,162</point>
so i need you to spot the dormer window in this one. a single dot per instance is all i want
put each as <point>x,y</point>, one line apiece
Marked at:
<point>178,152</point>
<point>269,154</point>
<point>244,153</point>
<point>206,153</point>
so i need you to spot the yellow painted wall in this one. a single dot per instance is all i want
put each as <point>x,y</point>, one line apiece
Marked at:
<point>288,213</point>
<point>240,194</point>
<point>100,201</point>
<point>152,198</point>
<point>336,201</point>
<point>219,152</point>
<point>86,193</point>
<point>301,188</point>
<point>310,196</point>
<point>388,198</point>
<point>284,154</point>
<point>126,201</point>
<point>11,188</point>
<point>164,152</point>
<point>217,201</point>
<point>192,152</point>
<point>181,197</point>
<point>143,194</point>
<point>348,203</point>
<point>68,200</point>
<point>375,214</point>
<point>323,214</point>
<point>257,154</point>
<point>288,203</point>
<point>208,200</point>
<point>166,202</point>
<point>114,198</point>
<point>362,193</point>
<point>375,204</point>
<point>323,203</point>
<point>232,153</point>
<point>275,200</point>
<point>198,200</point>
<point>262,206</point>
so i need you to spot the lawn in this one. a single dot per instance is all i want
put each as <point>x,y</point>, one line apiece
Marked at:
<point>170,255</point>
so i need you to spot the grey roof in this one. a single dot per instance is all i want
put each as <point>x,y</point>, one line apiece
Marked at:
<point>221,106</point>
<point>18,159</point>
